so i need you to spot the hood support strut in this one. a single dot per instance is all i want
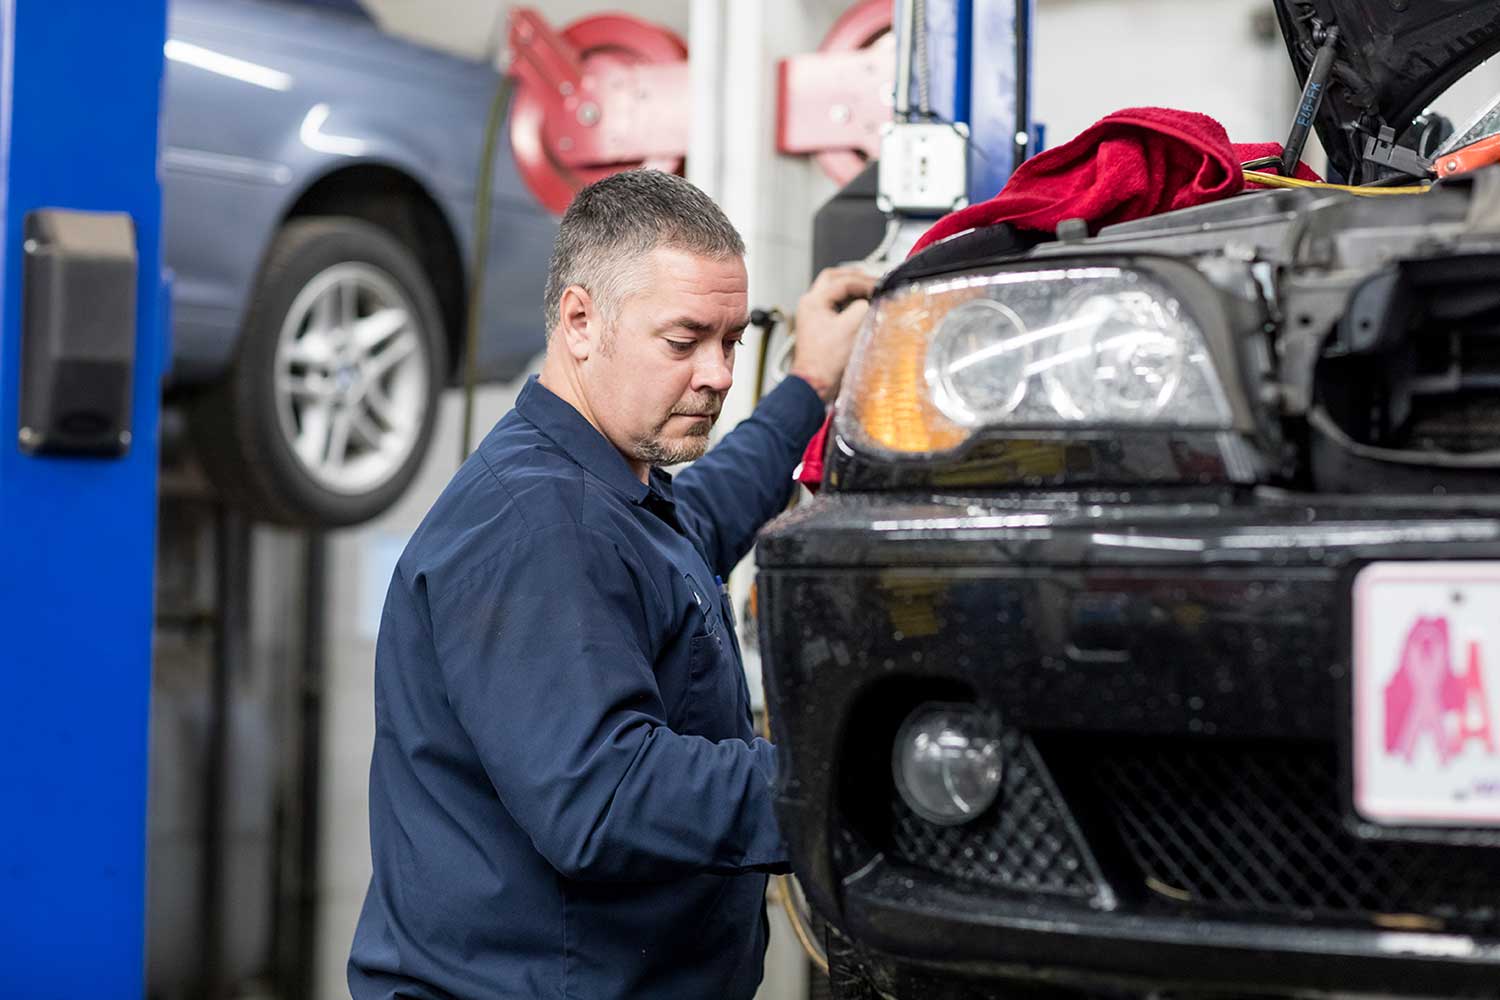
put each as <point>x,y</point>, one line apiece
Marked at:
<point>1312,97</point>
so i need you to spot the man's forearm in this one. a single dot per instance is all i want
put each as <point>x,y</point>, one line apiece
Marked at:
<point>747,478</point>
<point>661,821</point>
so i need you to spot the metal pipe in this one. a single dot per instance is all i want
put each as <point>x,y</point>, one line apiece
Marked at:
<point>1023,82</point>
<point>314,664</point>
<point>906,21</point>
<point>231,645</point>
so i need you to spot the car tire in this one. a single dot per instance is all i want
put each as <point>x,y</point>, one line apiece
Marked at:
<point>328,409</point>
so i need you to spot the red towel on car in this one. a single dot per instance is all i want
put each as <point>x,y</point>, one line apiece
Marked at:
<point>1130,165</point>
<point>810,472</point>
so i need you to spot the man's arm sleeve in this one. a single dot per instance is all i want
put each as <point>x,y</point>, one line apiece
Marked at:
<point>746,479</point>
<point>544,653</point>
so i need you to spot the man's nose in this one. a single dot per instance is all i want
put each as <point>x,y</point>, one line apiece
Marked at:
<point>714,372</point>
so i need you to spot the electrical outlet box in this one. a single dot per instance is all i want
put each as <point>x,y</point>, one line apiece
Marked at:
<point>924,168</point>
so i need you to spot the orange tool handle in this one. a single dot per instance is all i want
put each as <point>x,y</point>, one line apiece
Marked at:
<point>1470,157</point>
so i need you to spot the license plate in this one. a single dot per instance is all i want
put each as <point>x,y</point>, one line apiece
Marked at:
<point>1427,693</point>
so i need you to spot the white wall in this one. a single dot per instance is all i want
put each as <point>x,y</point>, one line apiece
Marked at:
<point>1094,57</point>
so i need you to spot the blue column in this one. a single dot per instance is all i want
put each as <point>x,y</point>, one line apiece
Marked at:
<point>80,86</point>
<point>998,70</point>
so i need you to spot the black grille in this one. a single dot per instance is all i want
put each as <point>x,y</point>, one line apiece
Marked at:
<point>1026,842</point>
<point>1456,424</point>
<point>1259,831</point>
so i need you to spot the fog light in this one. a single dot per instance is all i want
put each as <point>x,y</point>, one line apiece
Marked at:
<point>947,762</point>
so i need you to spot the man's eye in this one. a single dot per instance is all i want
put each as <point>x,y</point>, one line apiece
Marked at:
<point>682,346</point>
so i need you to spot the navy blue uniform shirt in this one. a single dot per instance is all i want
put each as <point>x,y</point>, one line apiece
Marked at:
<point>567,798</point>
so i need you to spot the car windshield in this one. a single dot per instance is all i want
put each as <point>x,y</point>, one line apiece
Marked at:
<point>1487,124</point>
<point>1473,105</point>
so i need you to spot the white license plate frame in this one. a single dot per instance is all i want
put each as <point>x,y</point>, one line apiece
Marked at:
<point>1425,676</point>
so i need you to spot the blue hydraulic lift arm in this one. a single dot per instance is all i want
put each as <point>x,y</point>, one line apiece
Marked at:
<point>80,100</point>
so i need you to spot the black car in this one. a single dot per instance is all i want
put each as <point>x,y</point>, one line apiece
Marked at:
<point>1143,639</point>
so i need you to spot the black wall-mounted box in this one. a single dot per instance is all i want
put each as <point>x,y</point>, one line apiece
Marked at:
<point>78,332</point>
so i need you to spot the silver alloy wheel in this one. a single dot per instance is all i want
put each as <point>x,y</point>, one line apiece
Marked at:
<point>351,378</point>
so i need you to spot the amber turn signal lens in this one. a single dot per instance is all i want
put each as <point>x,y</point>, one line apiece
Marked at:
<point>888,396</point>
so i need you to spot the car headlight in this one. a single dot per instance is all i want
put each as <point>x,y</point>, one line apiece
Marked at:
<point>1063,347</point>
<point>947,763</point>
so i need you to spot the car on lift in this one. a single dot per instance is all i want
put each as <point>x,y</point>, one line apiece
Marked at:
<point>319,184</point>
<point>1142,639</point>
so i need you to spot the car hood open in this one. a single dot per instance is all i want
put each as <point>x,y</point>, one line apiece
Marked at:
<point>1393,58</point>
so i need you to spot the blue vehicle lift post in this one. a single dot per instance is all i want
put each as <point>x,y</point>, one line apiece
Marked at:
<point>80,88</point>
<point>980,64</point>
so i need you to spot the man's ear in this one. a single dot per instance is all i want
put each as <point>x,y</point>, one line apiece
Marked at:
<point>581,325</point>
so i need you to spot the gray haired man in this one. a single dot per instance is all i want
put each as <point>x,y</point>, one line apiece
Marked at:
<point>567,798</point>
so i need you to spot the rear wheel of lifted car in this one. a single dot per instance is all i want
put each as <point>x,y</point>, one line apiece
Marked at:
<point>328,409</point>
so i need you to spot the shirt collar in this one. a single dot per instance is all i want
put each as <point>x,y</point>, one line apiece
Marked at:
<point>582,442</point>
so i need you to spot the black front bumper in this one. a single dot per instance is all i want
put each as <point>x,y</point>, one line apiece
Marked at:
<point>1173,683</point>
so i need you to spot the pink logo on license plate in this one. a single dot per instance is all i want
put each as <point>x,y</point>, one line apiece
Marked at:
<point>1428,699</point>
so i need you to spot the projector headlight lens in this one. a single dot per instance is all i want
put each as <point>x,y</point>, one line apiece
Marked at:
<point>1062,347</point>
<point>978,359</point>
<point>1121,357</point>
<point>947,763</point>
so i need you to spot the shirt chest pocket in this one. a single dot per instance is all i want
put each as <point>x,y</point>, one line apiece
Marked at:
<point>714,703</point>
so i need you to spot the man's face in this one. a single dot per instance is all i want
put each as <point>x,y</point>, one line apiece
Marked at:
<point>659,379</point>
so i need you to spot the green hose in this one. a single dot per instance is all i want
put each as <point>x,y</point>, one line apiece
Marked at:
<point>499,108</point>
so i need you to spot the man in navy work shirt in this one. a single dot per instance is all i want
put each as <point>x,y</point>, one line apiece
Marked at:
<point>567,798</point>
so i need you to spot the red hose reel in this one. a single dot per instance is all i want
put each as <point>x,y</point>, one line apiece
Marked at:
<point>606,93</point>
<point>832,102</point>
<point>610,92</point>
